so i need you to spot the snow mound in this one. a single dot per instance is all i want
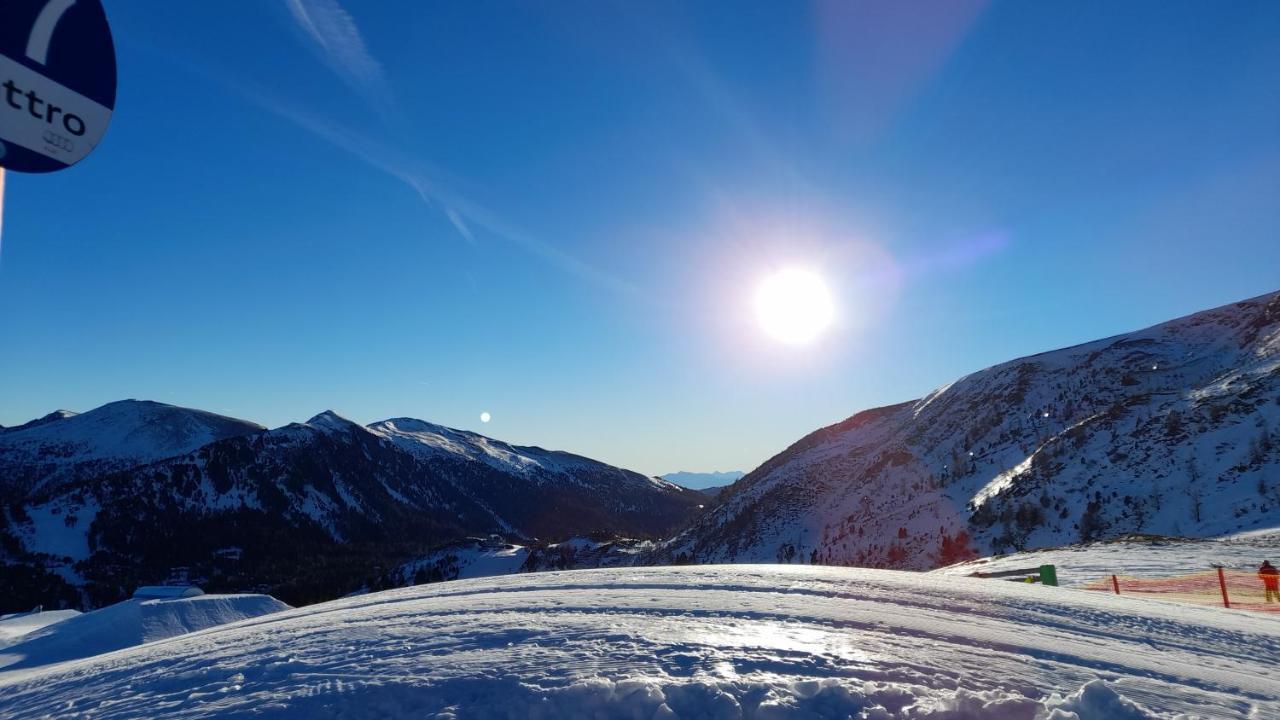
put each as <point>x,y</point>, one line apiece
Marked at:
<point>129,623</point>
<point>14,628</point>
<point>693,642</point>
<point>1097,700</point>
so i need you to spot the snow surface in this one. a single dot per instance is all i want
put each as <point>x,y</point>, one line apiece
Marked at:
<point>126,624</point>
<point>14,628</point>
<point>59,528</point>
<point>700,641</point>
<point>1136,557</point>
<point>467,560</point>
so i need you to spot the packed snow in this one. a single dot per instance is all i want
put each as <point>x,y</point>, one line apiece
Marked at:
<point>71,635</point>
<point>15,627</point>
<point>1143,557</point>
<point>692,642</point>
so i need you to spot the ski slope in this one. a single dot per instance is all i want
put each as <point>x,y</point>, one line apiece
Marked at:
<point>692,642</point>
<point>1136,557</point>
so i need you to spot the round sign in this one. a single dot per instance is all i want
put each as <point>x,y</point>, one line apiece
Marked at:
<point>57,82</point>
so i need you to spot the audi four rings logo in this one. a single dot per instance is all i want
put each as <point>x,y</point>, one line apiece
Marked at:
<point>59,142</point>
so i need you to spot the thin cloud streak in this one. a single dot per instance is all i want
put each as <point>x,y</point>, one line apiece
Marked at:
<point>458,224</point>
<point>461,212</point>
<point>343,48</point>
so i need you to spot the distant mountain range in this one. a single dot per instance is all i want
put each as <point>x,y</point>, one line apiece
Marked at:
<point>98,503</point>
<point>703,480</point>
<point>1172,430</point>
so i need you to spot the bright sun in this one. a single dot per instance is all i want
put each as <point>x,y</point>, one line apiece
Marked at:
<point>794,306</point>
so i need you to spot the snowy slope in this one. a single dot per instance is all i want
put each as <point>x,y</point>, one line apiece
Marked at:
<point>15,627</point>
<point>1172,430</point>
<point>64,447</point>
<point>42,420</point>
<point>694,642</point>
<point>1136,557</point>
<point>129,623</point>
<point>480,557</point>
<point>541,493</point>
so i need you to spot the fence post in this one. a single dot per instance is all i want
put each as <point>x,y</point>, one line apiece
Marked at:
<point>1222,583</point>
<point>1115,584</point>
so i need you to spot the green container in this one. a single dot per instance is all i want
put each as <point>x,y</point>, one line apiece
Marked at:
<point>1049,575</point>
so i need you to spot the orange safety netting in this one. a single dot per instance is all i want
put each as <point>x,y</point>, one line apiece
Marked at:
<point>1245,590</point>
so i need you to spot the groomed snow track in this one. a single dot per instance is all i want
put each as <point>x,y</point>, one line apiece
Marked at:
<point>704,641</point>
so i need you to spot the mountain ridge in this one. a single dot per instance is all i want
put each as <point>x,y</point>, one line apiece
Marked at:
<point>66,447</point>
<point>257,506</point>
<point>1116,435</point>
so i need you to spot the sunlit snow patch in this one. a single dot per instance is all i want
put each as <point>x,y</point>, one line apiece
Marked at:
<point>693,642</point>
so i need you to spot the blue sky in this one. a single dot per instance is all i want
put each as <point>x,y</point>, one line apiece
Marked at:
<point>556,213</point>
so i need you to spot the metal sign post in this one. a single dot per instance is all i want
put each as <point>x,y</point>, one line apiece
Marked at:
<point>1,205</point>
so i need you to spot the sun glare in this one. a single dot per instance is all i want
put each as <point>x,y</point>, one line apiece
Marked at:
<point>794,306</point>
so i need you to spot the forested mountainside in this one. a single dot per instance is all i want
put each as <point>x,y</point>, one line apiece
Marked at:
<point>306,512</point>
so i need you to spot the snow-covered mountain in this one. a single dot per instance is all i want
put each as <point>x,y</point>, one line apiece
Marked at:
<point>1170,430</point>
<point>44,419</point>
<point>704,480</point>
<point>537,493</point>
<point>308,511</point>
<point>63,447</point>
